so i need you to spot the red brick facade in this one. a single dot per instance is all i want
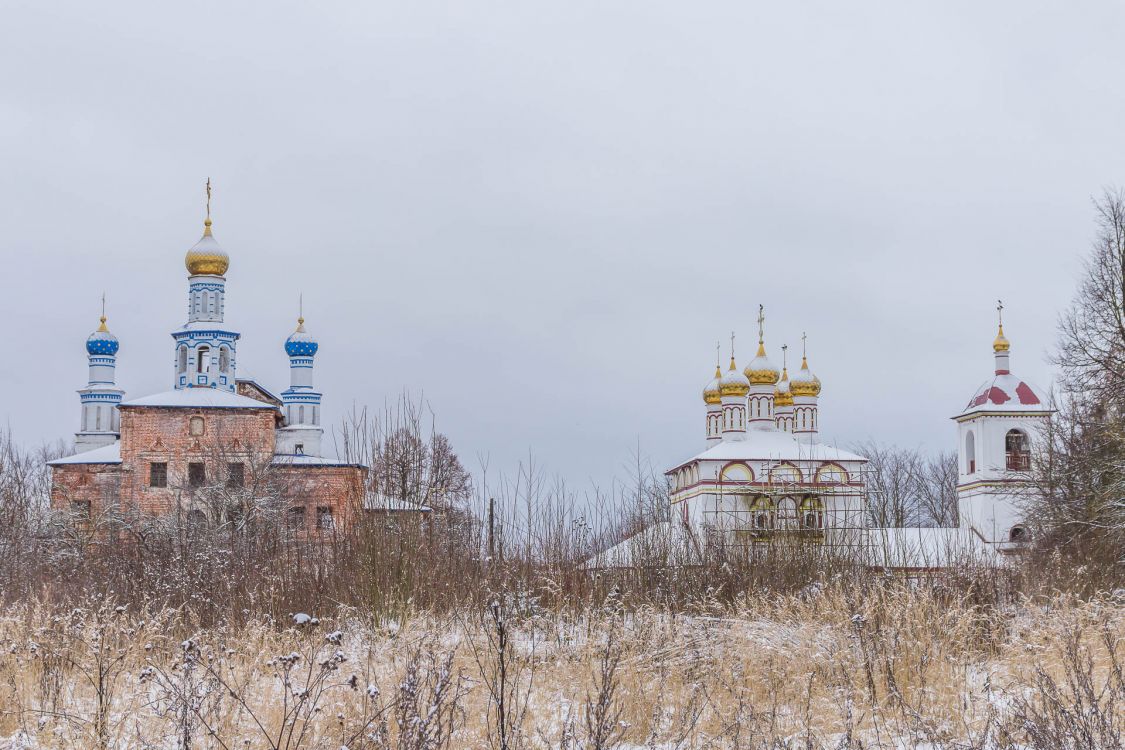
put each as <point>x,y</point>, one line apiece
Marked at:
<point>194,458</point>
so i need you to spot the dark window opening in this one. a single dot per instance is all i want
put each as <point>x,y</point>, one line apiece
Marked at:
<point>296,519</point>
<point>80,508</point>
<point>324,519</point>
<point>197,476</point>
<point>236,475</point>
<point>1017,534</point>
<point>158,474</point>
<point>299,449</point>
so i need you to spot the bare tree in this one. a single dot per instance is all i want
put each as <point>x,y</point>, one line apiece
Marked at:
<point>1077,497</point>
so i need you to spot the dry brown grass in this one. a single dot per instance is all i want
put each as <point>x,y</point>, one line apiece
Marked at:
<point>876,666</point>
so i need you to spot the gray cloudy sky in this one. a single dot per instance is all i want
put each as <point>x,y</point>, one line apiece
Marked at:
<point>545,214</point>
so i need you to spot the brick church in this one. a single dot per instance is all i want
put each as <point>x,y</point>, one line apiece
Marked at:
<point>214,442</point>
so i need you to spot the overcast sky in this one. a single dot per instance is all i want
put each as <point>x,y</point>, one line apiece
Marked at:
<point>544,215</point>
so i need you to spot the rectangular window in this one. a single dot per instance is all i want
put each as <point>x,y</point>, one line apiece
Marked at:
<point>80,508</point>
<point>158,474</point>
<point>299,449</point>
<point>196,474</point>
<point>236,475</point>
<point>296,519</point>
<point>324,520</point>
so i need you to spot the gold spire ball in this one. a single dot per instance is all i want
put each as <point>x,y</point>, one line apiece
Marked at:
<point>1000,344</point>
<point>206,258</point>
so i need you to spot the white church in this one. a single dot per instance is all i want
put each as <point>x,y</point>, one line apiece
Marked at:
<point>764,474</point>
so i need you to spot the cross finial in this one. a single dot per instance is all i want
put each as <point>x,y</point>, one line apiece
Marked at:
<point>207,220</point>
<point>103,306</point>
<point>804,345</point>
<point>301,308</point>
<point>732,350</point>
<point>761,323</point>
<point>718,352</point>
<point>784,356</point>
<point>1000,311</point>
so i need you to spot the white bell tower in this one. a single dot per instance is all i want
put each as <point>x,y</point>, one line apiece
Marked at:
<point>995,433</point>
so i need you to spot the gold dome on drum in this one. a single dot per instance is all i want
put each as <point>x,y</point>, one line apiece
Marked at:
<point>712,393</point>
<point>1000,344</point>
<point>782,396</point>
<point>206,258</point>
<point>804,383</point>
<point>761,371</point>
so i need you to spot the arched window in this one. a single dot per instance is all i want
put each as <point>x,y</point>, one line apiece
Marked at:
<point>831,474</point>
<point>970,453</point>
<point>812,513</point>
<point>1017,451</point>
<point>786,513</point>
<point>301,415</point>
<point>181,360</point>
<point>97,417</point>
<point>205,297</point>
<point>1017,534</point>
<point>224,359</point>
<point>195,426</point>
<point>201,356</point>
<point>761,513</point>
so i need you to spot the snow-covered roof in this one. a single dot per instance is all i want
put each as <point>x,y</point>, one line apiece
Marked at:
<point>107,454</point>
<point>772,445</point>
<point>199,398</point>
<point>927,548</point>
<point>300,459</point>
<point>662,544</point>
<point>379,502</point>
<point>1005,392</point>
<point>207,325</point>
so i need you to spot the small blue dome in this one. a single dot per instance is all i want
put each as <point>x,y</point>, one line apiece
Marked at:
<point>300,343</point>
<point>102,342</point>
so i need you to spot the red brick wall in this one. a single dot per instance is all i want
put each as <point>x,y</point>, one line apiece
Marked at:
<point>154,434</point>
<point>99,485</point>
<point>246,436</point>
<point>339,488</point>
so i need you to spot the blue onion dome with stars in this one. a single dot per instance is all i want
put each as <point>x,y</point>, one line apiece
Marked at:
<point>102,342</point>
<point>300,343</point>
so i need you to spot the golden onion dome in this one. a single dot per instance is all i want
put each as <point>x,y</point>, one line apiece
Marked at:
<point>712,394</point>
<point>206,258</point>
<point>761,371</point>
<point>734,383</point>
<point>804,383</point>
<point>782,395</point>
<point>1000,344</point>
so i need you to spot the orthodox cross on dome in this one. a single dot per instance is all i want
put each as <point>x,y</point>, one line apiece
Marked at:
<point>207,220</point>
<point>761,323</point>
<point>300,308</point>
<point>102,326</point>
<point>718,353</point>
<point>732,350</point>
<point>804,345</point>
<point>784,356</point>
<point>1000,311</point>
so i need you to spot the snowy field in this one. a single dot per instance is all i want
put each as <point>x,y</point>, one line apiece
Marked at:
<point>874,669</point>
